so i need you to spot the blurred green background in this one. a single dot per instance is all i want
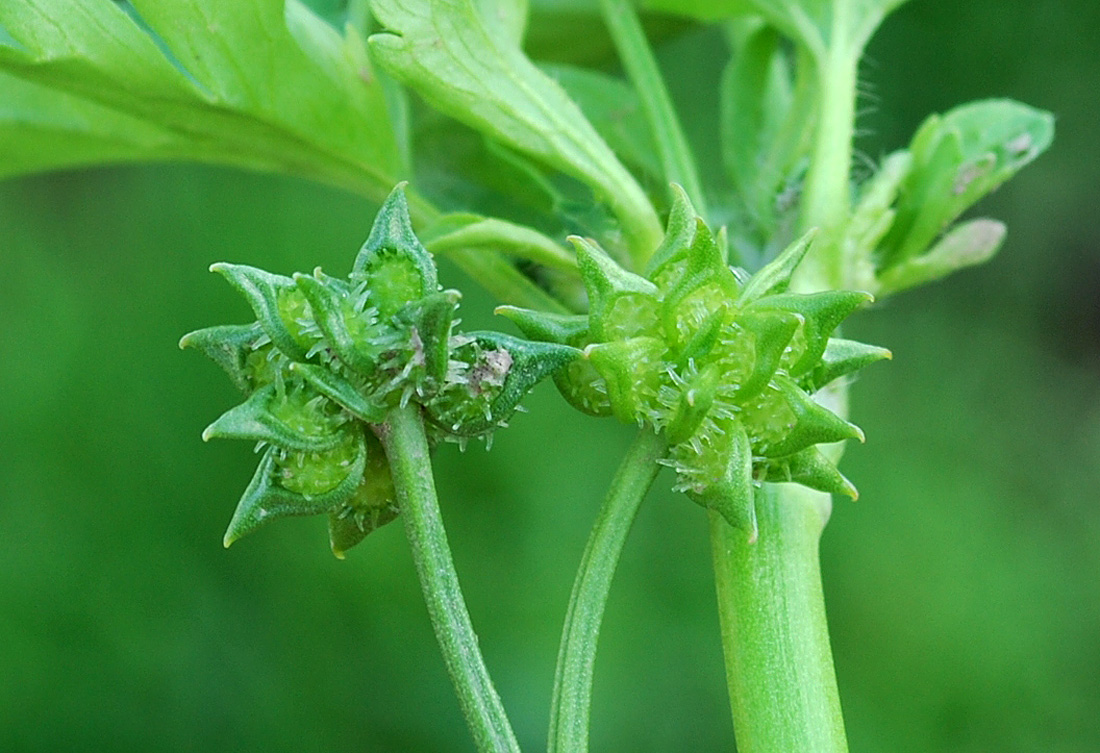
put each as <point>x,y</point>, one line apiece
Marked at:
<point>963,588</point>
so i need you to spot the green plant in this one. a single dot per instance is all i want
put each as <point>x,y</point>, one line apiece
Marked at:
<point>734,378</point>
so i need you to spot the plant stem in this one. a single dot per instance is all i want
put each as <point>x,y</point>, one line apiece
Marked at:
<point>825,200</point>
<point>406,447</point>
<point>779,667</point>
<point>638,61</point>
<point>573,679</point>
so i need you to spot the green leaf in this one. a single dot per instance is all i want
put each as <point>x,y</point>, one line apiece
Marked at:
<point>818,24</point>
<point>260,84</point>
<point>962,246</point>
<point>766,122</point>
<point>614,109</point>
<point>705,10</point>
<point>445,51</point>
<point>509,17</point>
<point>823,25</point>
<point>473,232</point>
<point>872,218</point>
<point>958,158</point>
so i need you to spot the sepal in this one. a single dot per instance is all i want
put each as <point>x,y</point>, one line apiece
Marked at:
<point>277,303</point>
<point>491,373</point>
<point>704,268</point>
<point>811,469</point>
<point>813,423</point>
<point>733,495</point>
<point>608,284</point>
<point>295,419</point>
<point>841,358</point>
<point>230,346</point>
<point>564,329</point>
<point>429,321</point>
<point>373,504</point>
<point>775,276</point>
<point>822,313</point>
<point>630,370</point>
<point>341,391</point>
<point>680,230</point>
<point>265,499</point>
<point>349,325</point>
<point>696,399</point>
<point>393,262</point>
<point>772,332</point>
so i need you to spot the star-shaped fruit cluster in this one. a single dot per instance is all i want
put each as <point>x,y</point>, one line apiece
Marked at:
<point>328,358</point>
<point>725,364</point>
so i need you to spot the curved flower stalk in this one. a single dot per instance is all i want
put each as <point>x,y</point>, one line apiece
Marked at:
<point>330,357</point>
<point>724,365</point>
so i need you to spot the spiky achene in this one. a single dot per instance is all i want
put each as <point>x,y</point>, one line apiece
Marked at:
<point>723,363</point>
<point>329,357</point>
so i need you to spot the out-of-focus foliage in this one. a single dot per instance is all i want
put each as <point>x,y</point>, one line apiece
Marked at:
<point>961,588</point>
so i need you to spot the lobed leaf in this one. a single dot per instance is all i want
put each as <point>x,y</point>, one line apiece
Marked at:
<point>260,84</point>
<point>446,52</point>
<point>958,158</point>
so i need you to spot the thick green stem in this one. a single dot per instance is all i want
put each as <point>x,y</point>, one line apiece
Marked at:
<point>825,196</point>
<point>577,656</point>
<point>406,447</point>
<point>638,61</point>
<point>779,666</point>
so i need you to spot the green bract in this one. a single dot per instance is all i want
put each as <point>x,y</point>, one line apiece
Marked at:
<point>328,358</point>
<point>724,364</point>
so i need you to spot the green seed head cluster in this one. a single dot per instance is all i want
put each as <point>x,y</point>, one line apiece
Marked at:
<point>328,358</point>
<point>724,364</point>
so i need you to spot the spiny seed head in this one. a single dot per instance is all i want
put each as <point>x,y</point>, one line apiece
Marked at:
<point>328,358</point>
<point>724,363</point>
